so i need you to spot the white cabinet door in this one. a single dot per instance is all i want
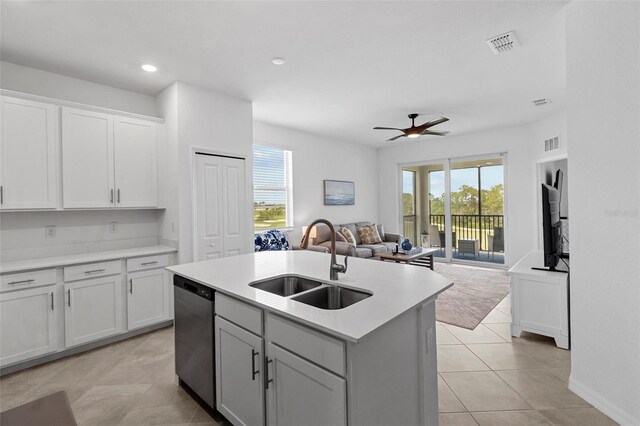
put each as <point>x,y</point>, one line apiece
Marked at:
<point>221,220</point>
<point>93,309</point>
<point>136,176</point>
<point>27,324</point>
<point>147,298</point>
<point>87,159</point>
<point>28,152</point>
<point>301,393</point>
<point>239,379</point>
<point>209,216</point>
<point>234,211</point>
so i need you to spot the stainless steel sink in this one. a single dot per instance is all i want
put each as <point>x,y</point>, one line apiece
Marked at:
<point>332,297</point>
<point>286,285</point>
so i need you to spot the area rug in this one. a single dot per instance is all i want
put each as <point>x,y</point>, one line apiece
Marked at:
<point>475,292</point>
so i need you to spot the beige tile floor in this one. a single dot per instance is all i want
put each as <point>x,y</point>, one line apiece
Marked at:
<point>484,378</point>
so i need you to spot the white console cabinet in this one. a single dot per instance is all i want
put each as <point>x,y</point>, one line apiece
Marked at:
<point>539,300</point>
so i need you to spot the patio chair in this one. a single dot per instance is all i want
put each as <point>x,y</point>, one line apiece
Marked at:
<point>496,241</point>
<point>434,236</point>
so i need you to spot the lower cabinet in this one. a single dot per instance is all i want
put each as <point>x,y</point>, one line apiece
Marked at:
<point>147,298</point>
<point>28,324</point>
<point>93,309</point>
<point>301,393</point>
<point>239,378</point>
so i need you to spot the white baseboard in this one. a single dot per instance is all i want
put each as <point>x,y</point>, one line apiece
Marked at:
<point>602,404</point>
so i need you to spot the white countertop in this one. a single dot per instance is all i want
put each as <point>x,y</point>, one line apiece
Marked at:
<point>73,259</point>
<point>396,288</point>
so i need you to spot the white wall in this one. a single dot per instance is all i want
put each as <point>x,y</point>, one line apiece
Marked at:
<point>603,126</point>
<point>23,234</point>
<point>48,84</point>
<point>316,158</point>
<point>204,119</point>
<point>520,177</point>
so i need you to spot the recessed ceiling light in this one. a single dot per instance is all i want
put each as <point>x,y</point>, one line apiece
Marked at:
<point>149,68</point>
<point>278,61</point>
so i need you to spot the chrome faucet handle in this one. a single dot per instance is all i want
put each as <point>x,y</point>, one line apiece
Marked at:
<point>340,268</point>
<point>345,264</point>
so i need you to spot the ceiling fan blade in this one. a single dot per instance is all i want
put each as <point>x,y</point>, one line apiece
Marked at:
<point>429,132</point>
<point>393,139</point>
<point>387,128</point>
<point>433,122</point>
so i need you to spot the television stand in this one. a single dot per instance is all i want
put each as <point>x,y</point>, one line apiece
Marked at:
<point>539,299</point>
<point>549,269</point>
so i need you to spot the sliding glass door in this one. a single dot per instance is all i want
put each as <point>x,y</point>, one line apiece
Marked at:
<point>457,206</point>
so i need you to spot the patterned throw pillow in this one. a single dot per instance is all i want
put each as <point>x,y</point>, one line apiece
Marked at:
<point>369,234</point>
<point>348,236</point>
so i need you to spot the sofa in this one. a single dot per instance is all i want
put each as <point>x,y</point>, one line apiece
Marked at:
<point>322,241</point>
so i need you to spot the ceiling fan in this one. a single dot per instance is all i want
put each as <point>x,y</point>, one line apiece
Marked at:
<point>417,131</point>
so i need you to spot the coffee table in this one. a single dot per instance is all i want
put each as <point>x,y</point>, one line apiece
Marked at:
<point>424,253</point>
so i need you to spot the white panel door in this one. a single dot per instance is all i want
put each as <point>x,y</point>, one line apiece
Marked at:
<point>233,181</point>
<point>28,325</point>
<point>147,298</point>
<point>239,379</point>
<point>28,153</point>
<point>87,159</point>
<point>209,204</point>
<point>136,176</point>
<point>301,393</point>
<point>93,309</point>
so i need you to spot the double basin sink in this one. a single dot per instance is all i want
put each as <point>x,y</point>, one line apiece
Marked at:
<point>311,292</point>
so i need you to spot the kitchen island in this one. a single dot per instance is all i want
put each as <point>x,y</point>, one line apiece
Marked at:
<point>287,359</point>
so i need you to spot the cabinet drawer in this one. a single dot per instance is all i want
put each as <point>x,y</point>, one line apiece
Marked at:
<point>92,270</point>
<point>310,344</point>
<point>147,262</point>
<point>240,313</point>
<point>27,279</point>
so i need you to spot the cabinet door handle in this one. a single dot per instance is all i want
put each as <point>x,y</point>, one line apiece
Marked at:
<point>93,271</point>
<point>21,282</point>
<point>149,263</point>
<point>1,194</point>
<point>266,376</point>
<point>131,286</point>
<point>111,195</point>
<point>52,301</point>
<point>254,373</point>
<point>118,195</point>
<point>69,297</point>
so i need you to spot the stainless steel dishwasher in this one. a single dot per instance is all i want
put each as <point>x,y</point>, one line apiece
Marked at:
<point>195,364</point>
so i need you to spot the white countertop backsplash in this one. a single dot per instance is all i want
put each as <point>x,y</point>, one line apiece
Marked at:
<point>396,288</point>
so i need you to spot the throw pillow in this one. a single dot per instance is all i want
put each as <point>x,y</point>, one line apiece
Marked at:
<point>348,236</point>
<point>369,234</point>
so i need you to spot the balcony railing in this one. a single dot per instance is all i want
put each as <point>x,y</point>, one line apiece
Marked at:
<point>465,227</point>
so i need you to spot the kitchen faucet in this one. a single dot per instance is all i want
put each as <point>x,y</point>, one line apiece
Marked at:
<point>335,267</point>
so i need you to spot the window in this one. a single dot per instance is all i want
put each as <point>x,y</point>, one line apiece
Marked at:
<point>272,188</point>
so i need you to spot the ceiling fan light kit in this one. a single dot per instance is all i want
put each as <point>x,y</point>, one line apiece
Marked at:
<point>416,131</point>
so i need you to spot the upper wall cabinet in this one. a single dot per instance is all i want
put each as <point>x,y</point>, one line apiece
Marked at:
<point>28,155</point>
<point>108,161</point>
<point>135,163</point>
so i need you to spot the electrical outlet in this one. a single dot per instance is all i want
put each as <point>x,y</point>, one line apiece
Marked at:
<point>113,227</point>
<point>50,231</point>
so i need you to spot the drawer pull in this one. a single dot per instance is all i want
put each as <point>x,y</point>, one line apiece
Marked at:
<point>131,286</point>
<point>94,271</point>
<point>52,301</point>
<point>268,380</point>
<point>69,297</point>
<point>22,282</point>
<point>254,373</point>
<point>149,263</point>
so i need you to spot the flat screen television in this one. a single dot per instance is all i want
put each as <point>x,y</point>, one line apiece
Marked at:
<point>551,226</point>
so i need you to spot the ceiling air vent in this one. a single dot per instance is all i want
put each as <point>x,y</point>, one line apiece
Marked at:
<point>551,144</point>
<point>504,43</point>
<point>541,101</point>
